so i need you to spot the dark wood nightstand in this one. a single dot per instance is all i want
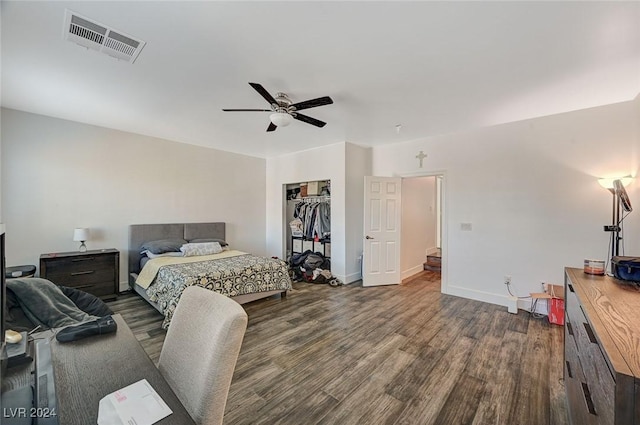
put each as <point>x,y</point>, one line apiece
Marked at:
<point>96,272</point>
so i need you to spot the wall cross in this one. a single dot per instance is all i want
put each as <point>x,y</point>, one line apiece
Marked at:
<point>421,156</point>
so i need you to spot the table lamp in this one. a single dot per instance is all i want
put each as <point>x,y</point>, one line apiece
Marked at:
<point>81,234</point>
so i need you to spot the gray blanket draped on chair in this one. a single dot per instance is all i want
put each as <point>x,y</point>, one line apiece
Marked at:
<point>45,304</point>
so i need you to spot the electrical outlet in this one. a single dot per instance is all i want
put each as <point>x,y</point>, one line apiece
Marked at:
<point>507,279</point>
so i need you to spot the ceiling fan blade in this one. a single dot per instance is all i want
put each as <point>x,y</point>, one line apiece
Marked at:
<point>272,127</point>
<point>247,110</point>
<point>264,93</point>
<point>310,120</point>
<point>326,100</point>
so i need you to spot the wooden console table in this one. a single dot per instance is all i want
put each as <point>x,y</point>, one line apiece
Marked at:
<point>87,370</point>
<point>602,350</point>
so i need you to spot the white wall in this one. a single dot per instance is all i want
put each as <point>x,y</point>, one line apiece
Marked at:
<point>530,191</point>
<point>58,175</point>
<point>357,165</point>
<point>418,223</point>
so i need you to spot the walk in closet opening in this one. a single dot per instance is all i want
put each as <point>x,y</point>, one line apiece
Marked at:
<point>308,218</point>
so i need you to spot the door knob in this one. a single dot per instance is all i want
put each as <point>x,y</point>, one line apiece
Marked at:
<point>369,237</point>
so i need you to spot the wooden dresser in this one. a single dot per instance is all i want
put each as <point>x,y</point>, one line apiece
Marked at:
<point>96,272</point>
<point>601,350</point>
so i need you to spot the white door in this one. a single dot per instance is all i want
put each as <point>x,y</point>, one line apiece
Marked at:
<point>381,262</point>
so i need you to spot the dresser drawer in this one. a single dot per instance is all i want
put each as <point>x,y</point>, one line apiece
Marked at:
<point>101,290</point>
<point>579,413</point>
<point>95,272</point>
<point>81,277</point>
<point>80,264</point>
<point>572,306</point>
<point>572,366</point>
<point>602,386</point>
<point>597,380</point>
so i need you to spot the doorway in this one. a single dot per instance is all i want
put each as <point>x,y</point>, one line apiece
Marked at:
<point>421,226</point>
<point>379,216</point>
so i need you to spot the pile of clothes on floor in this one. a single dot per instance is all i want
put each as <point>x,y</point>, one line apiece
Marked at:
<point>312,267</point>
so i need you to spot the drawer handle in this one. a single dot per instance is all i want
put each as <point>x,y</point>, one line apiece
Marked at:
<point>570,287</point>
<point>590,334</point>
<point>569,328</point>
<point>75,260</point>
<point>83,286</point>
<point>587,399</point>
<point>569,369</point>
<point>81,273</point>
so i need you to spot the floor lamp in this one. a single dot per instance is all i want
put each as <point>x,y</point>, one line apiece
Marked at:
<point>620,201</point>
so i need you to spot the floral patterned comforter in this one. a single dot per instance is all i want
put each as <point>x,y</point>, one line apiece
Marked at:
<point>240,275</point>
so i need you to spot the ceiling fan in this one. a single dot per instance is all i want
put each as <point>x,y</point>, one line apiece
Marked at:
<point>283,110</point>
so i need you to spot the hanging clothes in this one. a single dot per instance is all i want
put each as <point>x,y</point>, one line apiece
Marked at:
<point>315,217</point>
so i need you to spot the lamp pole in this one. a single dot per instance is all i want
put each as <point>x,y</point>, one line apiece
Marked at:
<point>614,224</point>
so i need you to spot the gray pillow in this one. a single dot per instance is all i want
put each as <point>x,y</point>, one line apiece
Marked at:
<point>163,245</point>
<point>222,242</point>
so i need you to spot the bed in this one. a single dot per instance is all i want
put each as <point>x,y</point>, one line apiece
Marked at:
<point>240,276</point>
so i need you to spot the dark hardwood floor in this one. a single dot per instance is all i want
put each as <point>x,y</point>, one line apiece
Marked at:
<point>401,354</point>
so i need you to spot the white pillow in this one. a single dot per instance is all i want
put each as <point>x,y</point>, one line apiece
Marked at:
<point>204,248</point>
<point>164,254</point>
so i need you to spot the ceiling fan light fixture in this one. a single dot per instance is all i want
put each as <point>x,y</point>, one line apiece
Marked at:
<point>280,119</point>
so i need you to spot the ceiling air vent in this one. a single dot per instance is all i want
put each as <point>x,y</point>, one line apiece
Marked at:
<point>96,36</point>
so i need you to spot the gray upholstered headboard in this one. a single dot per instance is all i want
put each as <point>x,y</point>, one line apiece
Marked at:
<point>141,233</point>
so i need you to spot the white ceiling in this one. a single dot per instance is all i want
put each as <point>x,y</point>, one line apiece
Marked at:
<point>433,67</point>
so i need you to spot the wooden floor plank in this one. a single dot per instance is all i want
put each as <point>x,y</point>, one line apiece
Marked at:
<point>462,404</point>
<point>533,379</point>
<point>403,354</point>
<point>430,398</point>
<point>500,391</point>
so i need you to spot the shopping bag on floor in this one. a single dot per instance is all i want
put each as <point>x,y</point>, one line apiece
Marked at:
<point>556,311</point>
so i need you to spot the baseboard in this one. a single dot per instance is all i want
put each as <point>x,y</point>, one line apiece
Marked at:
<point>412,271</point>
<point>350,278</point>
<point>431,251</point>
<point>483,296</point>
<point>474,294</point>
<point>503,300</point>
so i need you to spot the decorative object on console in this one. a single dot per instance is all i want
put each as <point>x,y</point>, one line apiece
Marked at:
<point>594,267</point>
<point>81,234</point>
<point>626,269</point>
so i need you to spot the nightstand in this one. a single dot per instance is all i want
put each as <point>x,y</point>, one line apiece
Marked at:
<point>96,272</point>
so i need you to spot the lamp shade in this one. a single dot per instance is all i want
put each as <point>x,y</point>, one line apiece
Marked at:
<point>607,183</point>
<point>81,234</point>
<point>281,119</point>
